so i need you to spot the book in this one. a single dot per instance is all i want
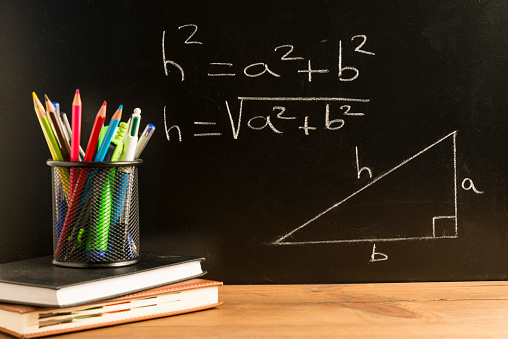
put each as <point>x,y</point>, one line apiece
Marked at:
<point>29,322</point>
<point>40,283</point>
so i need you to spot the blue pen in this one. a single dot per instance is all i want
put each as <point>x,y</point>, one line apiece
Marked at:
<point>145,137</point>
<point>57,107</point>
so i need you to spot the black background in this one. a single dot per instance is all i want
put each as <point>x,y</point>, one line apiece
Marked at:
<point>438,68</point>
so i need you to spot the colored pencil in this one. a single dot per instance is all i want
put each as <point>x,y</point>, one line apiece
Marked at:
<point>85,177</point>
<point>76,126</point>
<point>46,129</point>
<point>94,136</point>
<point>58,127</point>
<point>113,124</point>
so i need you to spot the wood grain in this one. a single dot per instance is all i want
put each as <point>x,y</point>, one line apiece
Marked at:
<point>415,310</point>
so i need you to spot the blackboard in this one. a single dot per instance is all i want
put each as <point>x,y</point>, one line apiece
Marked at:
<point>295,142</point>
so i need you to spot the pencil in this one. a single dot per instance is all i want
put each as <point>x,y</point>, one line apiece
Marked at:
<point>96,130</point>
<point>76,126</point>
<point>83,180</point>
<point>113,124</point>
<point>65,149</point>
<point>46,129</point>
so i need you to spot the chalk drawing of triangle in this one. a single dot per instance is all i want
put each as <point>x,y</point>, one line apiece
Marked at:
<point>415,200</point>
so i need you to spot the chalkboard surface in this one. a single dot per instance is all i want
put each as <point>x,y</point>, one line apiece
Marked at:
<point>295,142</point>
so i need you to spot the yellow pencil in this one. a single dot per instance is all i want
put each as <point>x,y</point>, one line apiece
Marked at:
<point>46,129</point>
<point>63,173</point>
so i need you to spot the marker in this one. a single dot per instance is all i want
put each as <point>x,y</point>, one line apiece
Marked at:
<point>76,126</point>
<point>94,136</point>
<point>64,147</point>
<point>129,148</point>
<point>145,137</point>
<point>116,146</point>
<point>113,124</point>
<point>97,244</point>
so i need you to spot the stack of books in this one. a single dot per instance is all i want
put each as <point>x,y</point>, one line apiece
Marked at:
<point>41,299</point>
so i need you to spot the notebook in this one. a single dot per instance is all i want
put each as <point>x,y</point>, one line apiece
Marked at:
<point>38,282</point>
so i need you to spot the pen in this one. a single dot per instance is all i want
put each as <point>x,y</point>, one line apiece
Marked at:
<point>61,116</point>
<point>125,136</point>
<point>57,107</point>
<point>129,148</point>
<point>65,149</point>
<point>143,140</point>
<point>113,124</point>
<point>76,126</point>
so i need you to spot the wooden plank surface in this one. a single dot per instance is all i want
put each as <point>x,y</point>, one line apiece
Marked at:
<point>418,310</point>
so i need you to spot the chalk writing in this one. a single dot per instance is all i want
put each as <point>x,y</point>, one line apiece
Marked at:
<point>188,40</point>
<point>272,121</point>
<point>170,62</point>
<point>377,256</point>
<point>286,56</point>
<point>360,170</point>
<point>467,184</point>
<point>174,127</point>
<point>221,74</point>
<point>359,48</point>
<point>329,124</point>
<point>258,69</point>
<point>448,234</point>
<point>280,115</point>
<point>310,71</point>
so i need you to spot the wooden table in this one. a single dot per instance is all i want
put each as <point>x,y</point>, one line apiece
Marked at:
<point>425,310</point>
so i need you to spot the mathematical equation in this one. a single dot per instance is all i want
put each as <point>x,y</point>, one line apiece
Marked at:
<point>277,118</point>
<point>285,53</point>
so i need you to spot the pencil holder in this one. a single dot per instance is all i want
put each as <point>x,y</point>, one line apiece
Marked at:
<point>95,213</point>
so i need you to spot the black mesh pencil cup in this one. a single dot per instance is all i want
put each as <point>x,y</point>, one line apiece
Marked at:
<point>95,213</point>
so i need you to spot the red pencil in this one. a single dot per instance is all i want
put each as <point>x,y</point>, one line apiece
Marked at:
<point>78,181</point>
<point>96,130</point>
<point>76,126</point>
